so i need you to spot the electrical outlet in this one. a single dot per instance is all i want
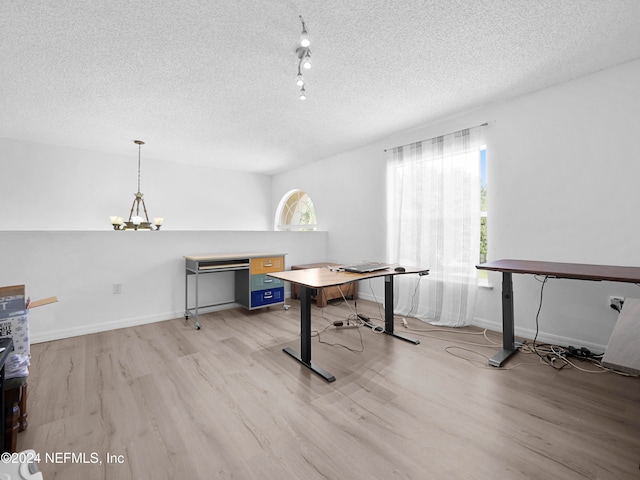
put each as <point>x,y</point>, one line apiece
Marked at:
<point>616,302</point>
<point>117,288</point>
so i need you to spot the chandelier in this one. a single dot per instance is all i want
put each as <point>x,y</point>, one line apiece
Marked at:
<point>304,58</point>
<point>137,222</point>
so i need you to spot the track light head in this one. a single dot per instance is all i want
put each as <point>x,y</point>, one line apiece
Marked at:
<point>304,54</point>
<point>304,36</point>
<point>299,78</point>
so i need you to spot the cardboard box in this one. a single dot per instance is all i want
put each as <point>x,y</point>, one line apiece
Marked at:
<point>14,316</point>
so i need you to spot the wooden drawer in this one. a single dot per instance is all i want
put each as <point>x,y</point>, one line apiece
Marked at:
<point>267,264</point>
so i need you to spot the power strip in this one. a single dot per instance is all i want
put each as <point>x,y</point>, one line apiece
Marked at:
<point>339,325</point>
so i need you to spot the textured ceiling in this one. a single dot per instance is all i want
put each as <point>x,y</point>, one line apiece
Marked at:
<point>213,82</point>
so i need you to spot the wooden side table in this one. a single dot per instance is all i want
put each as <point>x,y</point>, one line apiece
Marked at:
<point>324,295</point>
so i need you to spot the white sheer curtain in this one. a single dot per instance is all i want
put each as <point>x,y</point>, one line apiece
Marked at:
<point>433,219</point>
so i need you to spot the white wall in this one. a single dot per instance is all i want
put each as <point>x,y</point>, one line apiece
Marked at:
<point>563,178</point>
<point>56,238</point>
<point>46,187</point>
<point>348,192</point>
<point>80,268</point>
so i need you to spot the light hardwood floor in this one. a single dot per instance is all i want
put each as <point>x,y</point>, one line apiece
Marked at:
<point>166,401</point>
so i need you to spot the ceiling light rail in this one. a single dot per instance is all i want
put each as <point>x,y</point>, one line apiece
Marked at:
<point>304,58</point>
<point>137,222</point>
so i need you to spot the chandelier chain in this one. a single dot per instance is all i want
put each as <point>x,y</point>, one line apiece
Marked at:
<point>139,147</point>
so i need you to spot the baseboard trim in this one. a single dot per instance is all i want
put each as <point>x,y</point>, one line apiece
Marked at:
<point>543,337</point>
<point>134,322</point>
<point>117,324</point>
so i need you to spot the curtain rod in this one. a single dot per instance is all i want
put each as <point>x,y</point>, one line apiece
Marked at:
<point>451,133</point>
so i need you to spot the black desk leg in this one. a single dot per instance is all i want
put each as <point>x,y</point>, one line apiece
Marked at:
<point>388,311</point>
<point>304,357</point>
<point>509,342</point>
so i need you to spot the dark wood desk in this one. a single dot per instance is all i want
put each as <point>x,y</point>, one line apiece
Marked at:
<point>576,271</point>
<point>311,279</point>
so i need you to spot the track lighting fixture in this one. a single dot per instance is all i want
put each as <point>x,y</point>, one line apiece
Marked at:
<point>304,58</point>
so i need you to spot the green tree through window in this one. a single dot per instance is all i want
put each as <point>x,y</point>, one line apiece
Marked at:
<point>483,274</point>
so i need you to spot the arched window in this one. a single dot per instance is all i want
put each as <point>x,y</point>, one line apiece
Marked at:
<point>295,212</point>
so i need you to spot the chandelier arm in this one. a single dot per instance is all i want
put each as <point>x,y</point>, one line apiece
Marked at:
<point>133,205</point>
<point>144,207</point>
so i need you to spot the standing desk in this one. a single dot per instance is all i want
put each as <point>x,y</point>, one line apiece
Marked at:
<point>314,278</point>
<point>576,271</point>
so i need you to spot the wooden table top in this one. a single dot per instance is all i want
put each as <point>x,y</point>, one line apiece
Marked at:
<point>579,271</point>
<point>323,277</point>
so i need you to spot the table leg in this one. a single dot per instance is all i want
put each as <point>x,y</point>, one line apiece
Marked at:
<point>196,314</point>
<point>509,343</point>
<point>304,357</point>
<point>186,294</point>
<point>388,311</point>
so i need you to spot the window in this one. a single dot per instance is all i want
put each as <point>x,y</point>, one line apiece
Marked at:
<point>434,191</point>
<point>483,275</point>
<point>295,212</point>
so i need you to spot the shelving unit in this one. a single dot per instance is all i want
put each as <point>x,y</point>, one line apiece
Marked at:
<point>253,288</point>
